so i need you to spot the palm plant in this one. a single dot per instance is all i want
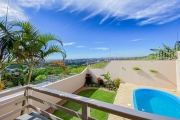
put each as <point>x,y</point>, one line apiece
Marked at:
<point>32,46</point>
<point>60,64</point>
<point>166,52</point>
<point>106,76</point>
<point>6,42</point>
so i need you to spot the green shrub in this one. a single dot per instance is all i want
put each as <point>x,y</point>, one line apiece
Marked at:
<point>25,71</point>
<point>76,69</point>
<point>38,72</point>
<point>40,77</point>
<point>12,81</point>
<point>95,85</point>
<point>136,68</point>
<point>9,84</point>
<point>106,76</point>
<point>109,84</point>
<point>117,82</point>
<point>154,71</point>
<point>98,65</point>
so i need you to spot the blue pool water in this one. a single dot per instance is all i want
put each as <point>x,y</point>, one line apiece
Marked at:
<point>156,102</point>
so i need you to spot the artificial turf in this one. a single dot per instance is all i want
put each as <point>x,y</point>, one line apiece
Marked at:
<point>101,95</point>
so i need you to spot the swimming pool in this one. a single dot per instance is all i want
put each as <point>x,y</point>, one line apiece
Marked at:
<point>156,102</point>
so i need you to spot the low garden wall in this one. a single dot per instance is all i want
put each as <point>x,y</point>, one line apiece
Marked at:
<point>123,69</point>
<point>68,85</point>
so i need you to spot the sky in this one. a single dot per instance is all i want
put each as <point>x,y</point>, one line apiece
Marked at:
<point>101,28</point>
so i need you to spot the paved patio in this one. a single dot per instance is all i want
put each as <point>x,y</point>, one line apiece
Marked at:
<point>124,96</point>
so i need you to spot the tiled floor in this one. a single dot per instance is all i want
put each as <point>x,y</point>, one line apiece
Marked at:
<point>124,96</point>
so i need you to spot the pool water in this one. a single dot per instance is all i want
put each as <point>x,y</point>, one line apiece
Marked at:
<point>156,102</point>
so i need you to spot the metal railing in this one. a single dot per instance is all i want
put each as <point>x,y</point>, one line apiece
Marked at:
<point>142,56</point>
<point>86,103</point>
<point>52,78</point>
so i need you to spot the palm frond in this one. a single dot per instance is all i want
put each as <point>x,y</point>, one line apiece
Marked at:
<point>166,47</point>
<point>54,49</point>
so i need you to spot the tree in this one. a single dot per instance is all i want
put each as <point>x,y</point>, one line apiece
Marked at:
<point>32,47</point>
<point>166,52</point>
<point>6,42</point>
<point>60,64</point>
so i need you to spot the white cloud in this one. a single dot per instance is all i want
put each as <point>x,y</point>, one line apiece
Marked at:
<point>100,48</point>
<point>68,44</point>
<point>15,12</point>
<point>135,40</point>
<point>37,3</point>
<point>145,11</point>
<point>65,5</point>
<point>81,46</point>
<point>92,15</point>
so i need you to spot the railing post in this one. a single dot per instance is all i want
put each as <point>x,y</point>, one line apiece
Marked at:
<point>85,112</point>
<point>27,100</point>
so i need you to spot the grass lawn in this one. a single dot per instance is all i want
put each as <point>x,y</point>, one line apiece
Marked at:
<point>101,95</point>
<point>98,65</point>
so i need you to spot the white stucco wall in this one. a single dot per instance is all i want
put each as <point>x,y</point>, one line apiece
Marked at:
<point>178,71</point>
<point>69,85</point>
<point>123,69</point>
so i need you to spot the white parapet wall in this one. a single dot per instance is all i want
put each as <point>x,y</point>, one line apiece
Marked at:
<point>69,85</point>
<point>123,69</point>
<point>178,70</point>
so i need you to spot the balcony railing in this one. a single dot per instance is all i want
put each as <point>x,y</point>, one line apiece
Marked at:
<point>85,102</point>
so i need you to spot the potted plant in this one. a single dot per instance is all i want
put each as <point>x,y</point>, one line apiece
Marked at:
<point>154,72</point>
<point>88,79</point>
<point>137,69</point>
<point>100,81</point>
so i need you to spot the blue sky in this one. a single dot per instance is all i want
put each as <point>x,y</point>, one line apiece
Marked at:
<point>92,28</point>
